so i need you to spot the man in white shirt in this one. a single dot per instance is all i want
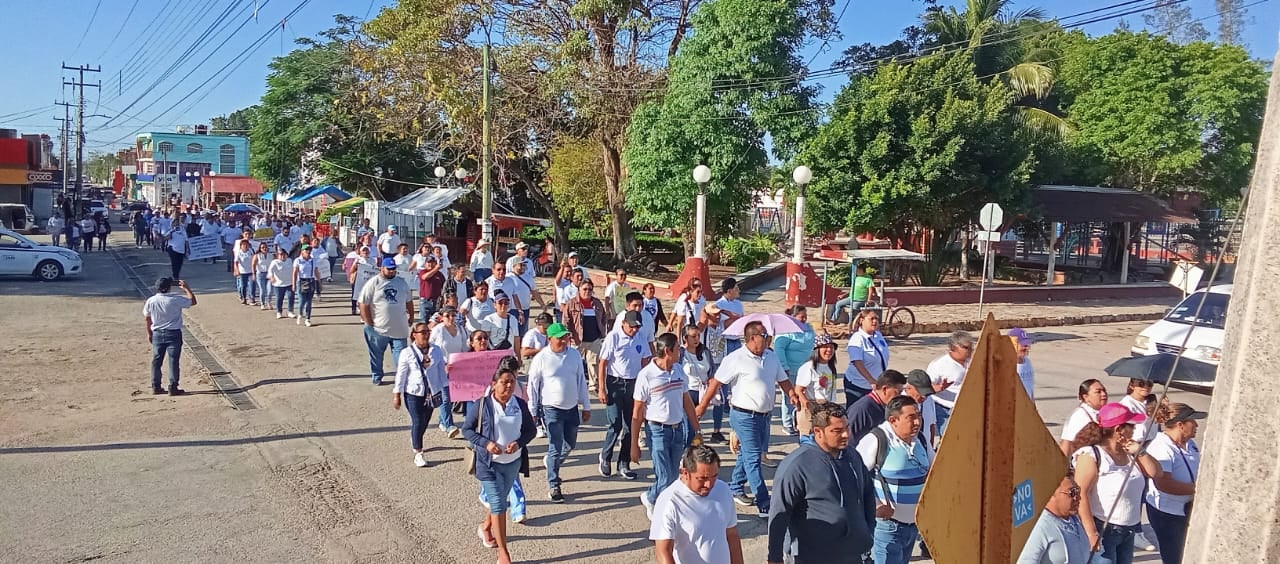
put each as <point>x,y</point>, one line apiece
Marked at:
<point>230,234</point>
<point>557,387</point>
<point>570,291</point>
<point>661,405</point>
<point>753,372</point>
<point>947,373</point>
<point>920,388</point>
<point>507,285</point>
<point>284,240</point>
<point>522,256</point>
<point>635,302</point>
<point>163,315</point>
<point>526,292</point>
<point>622,355</point>
<point>730,309</point>
<point>694,521</point>
<point>389,241</point>
<point>481,260</point>
<point>364,228</point>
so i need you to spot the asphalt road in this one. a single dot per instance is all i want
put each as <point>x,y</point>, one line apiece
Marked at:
<point>97,468</point>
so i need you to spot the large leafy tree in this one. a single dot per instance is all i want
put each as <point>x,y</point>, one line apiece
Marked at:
<point>717,111</point>
<point>915,146</point>
<point>576,183</point>
<point>238,123</point>
<point>301,128</point>
<point>1158,116</point>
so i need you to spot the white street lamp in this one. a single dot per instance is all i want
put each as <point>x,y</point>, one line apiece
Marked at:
<point>440,172</point>
<point>701,175</point>
<point>460,174</point>
<point>802,176</point>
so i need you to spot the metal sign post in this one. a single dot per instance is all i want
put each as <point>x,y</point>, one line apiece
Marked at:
<point>990,217</point>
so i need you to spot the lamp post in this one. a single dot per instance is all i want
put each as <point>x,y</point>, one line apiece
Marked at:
<point>440,173</point>
<point>804,286</point>
<point>701,175</point>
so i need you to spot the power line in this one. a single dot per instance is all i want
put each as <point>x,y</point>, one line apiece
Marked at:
<point>159,48</point>
<point>87,27</point>
<point>120,30</point>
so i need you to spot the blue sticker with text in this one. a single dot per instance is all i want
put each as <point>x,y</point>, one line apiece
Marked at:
<point>1023,503</point>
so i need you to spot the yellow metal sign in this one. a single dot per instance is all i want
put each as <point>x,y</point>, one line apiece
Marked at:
<point>996,467</point>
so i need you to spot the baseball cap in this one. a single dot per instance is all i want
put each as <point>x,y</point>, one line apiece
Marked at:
<point>522,245</point>
<point>1116,414</point>
<point>1020,336</point>
<point>1179,412</point>
<point>822,341</point>
<point>557,331</point>
<point>500,296</point>
<point>920,380</point>
<point>393,227</point>
<point>389,263</point>
<point>633,319</point>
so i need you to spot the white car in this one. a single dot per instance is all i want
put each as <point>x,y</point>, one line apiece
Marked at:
<point>1205,341</point>
<point>22,256</point>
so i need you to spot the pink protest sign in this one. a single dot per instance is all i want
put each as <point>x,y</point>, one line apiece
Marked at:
<point>471,372</point>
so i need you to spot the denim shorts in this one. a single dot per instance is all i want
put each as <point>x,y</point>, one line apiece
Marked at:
<point>496,490</point>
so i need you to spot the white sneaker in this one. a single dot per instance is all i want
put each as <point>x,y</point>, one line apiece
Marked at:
<point>298,322</point>
<point>541,433</point>
<point>648,507</point>
<point>1142,543</point>
<point>308,323</point>
<point>290,314</point>
<point>419,460</point>
<point>278,316</point>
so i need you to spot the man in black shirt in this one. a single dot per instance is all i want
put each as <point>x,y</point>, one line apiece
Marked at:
<point>868,411</point>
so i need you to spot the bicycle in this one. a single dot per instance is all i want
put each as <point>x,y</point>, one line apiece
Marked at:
<point>898,322</point>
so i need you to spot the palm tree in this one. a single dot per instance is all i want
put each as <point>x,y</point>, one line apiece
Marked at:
<point>1007,44</point>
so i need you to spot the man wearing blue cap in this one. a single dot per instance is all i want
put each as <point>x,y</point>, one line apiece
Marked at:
<point>388,242</point>
<point>386,307</point>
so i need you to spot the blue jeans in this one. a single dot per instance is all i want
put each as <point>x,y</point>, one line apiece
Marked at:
<point>244,285</point>
<point>496,490</point>
<point>264,286</point>
<point>446,408</point>
<point>618,412</point>
<point>377,344</point>
<point>753,437</point>
<point>281,292</point>
<point>665,446</point>
<point>426,309</point>
<point>165,341</point>
<point>1117,544</point>
<point>1171,533</point>
<point>893,542</point>
<point>419,418</point>
<point>944,415</point>
<point>854,307</point>
<point>304,302</point>
<point>788,410</point>
<point>562,436</point>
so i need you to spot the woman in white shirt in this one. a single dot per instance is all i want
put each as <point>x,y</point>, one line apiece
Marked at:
<point>420,258</point>
<point>420,383</point>
<point>261,263</point>
<point>477,307</point>
<point>1170,495</point>
<point>242,269</point>
<point>363,268</point>
<point>502,325</point>
<point>815,380</point>
<point>482,261</point>
<point>1135,399</point>
<point>1104,455</point>
<point>447,334</point>
<point>688,308</point>
<point>1093,395</point>
<point>280,271</point>
<point>868,356</point>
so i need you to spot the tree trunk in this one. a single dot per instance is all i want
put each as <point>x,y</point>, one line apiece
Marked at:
<point>964,254</point>
<point>558,225</point>
<point>624,236</point>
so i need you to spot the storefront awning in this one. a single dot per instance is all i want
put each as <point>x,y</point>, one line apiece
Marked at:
<point>229,184</point>
<point>426,201</point>
<point>317,191</point>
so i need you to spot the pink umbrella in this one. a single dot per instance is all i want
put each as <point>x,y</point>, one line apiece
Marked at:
<point>774,324</point>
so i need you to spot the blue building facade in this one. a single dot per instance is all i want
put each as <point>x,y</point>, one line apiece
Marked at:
<point>171,164</point>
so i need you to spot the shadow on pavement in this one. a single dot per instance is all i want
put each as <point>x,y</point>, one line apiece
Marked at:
<point>199,442</point>
<point>636,544</point>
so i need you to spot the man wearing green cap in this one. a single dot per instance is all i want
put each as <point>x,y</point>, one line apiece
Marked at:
<point>557,386</point>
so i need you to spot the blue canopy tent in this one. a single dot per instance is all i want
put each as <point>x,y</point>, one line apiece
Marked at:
<point>329,190</point>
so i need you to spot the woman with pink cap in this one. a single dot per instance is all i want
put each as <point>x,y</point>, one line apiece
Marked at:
<point>1104,455</point>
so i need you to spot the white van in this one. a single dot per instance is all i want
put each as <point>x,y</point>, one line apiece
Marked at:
<point>1205,343</point>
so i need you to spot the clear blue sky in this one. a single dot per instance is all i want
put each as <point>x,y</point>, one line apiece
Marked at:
<point>125,47</point>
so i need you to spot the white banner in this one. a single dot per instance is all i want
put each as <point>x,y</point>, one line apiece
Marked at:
<point>204,246</point>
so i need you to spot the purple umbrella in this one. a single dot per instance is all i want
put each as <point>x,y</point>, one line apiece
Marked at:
<point>774,324</point>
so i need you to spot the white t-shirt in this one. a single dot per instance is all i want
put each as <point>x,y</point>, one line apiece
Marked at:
<point>476,311</point>
<point>1027,375</point>
<point>754,378</point>
<point>244,262</point>
<point>534,339</point>
<point>264,262</point>
<point>481,258</point>
<point>663,392</point>
<point>873,351</point>
<point>623,355</point>
<point>507,423</point>
<point>557,380</point>
<point>507,285</point>
<point>230,235</point>
<point>566,293</point>
<point>1140,430</point>
<point>280,273</point>
<point>520,290</point>
<point>946,369</point>
<point>1111,477</point>
<point>696,524</point>
<point>729,305</point>
<point>818,383</point>
<point>388,243</point>
<point>501,328</point>
<point>696,372</point>
<point>692,311</point>
<point>1181,465</point>
<point>165,311</point>
<point>450,344</point>
<point>1081,416</point>
<point>647,326</point>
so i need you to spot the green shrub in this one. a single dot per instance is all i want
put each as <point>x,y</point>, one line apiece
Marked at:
<point>839,275</point>
<point>748,254</point>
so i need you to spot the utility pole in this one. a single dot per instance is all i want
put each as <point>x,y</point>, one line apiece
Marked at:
<point>486,190</point>
<point>80,125</point>
<point>66,124</point>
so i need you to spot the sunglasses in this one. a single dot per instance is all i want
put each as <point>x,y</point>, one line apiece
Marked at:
<point>1073,492</point>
